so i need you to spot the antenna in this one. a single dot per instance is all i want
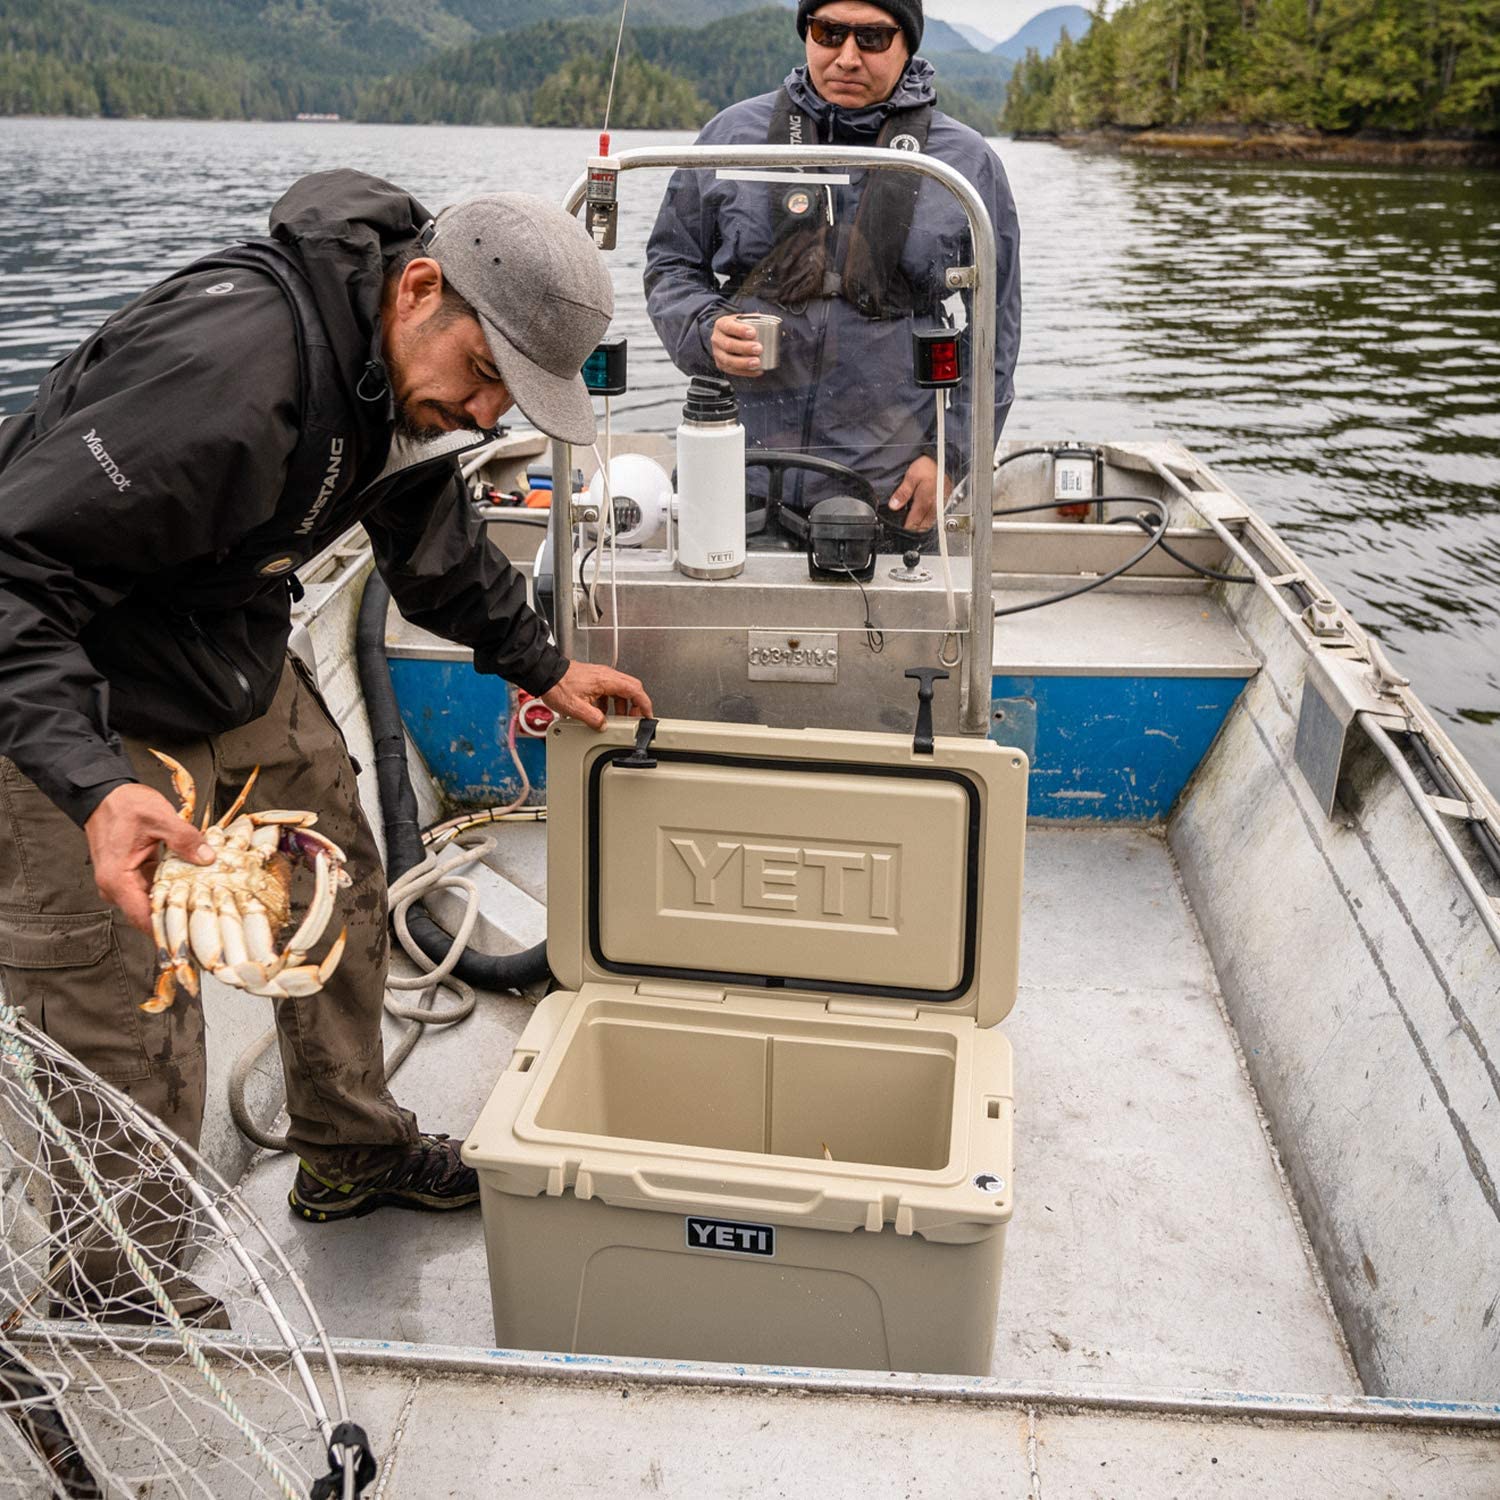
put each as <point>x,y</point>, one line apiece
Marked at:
<point>609,102</point>
<point>603,204</point>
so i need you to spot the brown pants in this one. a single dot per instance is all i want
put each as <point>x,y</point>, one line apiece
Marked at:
<point>80,971</point>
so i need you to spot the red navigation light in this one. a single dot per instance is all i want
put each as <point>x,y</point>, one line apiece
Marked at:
<point>937,358</point>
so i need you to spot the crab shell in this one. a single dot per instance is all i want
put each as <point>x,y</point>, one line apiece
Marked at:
<point>226,917</point>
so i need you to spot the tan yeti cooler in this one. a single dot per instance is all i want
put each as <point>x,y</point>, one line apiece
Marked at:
<point>767,1118</point>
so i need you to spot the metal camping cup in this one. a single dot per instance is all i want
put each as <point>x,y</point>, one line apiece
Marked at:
<point>767,328</point>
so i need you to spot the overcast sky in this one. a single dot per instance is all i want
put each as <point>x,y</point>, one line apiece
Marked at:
<point>997,18</point>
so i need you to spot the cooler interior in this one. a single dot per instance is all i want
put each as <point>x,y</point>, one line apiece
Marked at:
<point>868,1094</point>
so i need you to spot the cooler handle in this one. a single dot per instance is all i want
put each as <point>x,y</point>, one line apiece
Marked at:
<point>798,1202</point>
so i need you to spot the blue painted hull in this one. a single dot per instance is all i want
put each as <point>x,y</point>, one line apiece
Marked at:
<point>1110,749</point>
<point>1103,749</point>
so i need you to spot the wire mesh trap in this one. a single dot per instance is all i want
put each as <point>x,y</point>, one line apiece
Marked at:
<point>154,1340</point>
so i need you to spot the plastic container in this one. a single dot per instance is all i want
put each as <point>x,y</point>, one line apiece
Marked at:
<point>768,1119</point>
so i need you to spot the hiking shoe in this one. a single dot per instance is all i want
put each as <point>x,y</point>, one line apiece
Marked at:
<point>428,1175</point>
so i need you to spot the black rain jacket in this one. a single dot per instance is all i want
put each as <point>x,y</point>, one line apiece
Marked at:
<point>147,520</point>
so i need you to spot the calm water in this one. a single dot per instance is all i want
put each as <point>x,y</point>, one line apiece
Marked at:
<point>1328,338</point>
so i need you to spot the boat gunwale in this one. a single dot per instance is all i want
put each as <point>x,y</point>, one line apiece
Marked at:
<point>395,1356</point>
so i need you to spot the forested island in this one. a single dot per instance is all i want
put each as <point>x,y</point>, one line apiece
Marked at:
<point>1268,71</point>
<point>1251,77</point>
<point>467,62</point>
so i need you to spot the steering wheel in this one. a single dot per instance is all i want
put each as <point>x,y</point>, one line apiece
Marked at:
<point>896,537</point>
<point>777,461</point>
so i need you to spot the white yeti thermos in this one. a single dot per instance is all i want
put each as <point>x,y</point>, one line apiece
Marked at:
<point>710,482</point>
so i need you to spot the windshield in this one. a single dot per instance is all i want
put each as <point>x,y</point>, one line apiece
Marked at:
<point>798,428</point>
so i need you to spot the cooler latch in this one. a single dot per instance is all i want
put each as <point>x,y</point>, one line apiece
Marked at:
<point>927,678</point>
<point>641,759</point>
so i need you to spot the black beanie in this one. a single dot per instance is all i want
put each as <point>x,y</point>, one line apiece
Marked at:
<point>907,13</point>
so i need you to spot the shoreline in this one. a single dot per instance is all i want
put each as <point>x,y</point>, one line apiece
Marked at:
<point>1228,142</point>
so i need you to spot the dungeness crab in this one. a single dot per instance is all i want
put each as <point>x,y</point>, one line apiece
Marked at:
<point>227,916</point>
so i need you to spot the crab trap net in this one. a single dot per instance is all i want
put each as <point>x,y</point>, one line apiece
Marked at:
<point>154,1340</point>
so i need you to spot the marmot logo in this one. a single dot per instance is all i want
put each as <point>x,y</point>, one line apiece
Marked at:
<point>92,442</point>
<point>330,483</point>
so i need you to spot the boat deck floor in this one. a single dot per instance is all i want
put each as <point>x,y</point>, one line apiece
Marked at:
<point>1154,1243</point>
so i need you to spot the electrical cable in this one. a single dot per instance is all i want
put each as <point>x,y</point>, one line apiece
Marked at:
<point>1089,585</point>
<point>1186,562</point>
<point>583,563</point>
<point>1010,458</point>
<point>942,536</point>
<point>874,636</point>
<point>610,530</point>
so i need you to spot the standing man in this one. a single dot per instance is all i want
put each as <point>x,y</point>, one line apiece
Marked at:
<point>850,269</point>
<point>155,500</point>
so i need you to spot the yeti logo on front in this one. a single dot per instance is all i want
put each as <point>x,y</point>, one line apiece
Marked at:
<point>730,1237</point>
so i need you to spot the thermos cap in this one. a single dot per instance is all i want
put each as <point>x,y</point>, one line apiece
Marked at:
<point>709,400</point>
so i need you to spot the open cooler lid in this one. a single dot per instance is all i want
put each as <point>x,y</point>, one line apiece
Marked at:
<point>838,865</point>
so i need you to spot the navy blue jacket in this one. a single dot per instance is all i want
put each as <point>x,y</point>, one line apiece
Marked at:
<point>844,388</point>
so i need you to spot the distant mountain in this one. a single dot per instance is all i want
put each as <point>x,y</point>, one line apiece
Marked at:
<point>975,37</point>
<point>532,75</point>
<point>489,61</point>
<point>939,36</point>
<point>1045,31</point>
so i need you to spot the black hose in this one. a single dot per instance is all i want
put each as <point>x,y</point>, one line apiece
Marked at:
<point>1010,458</point>
<point>398,806</point>
<point>1152,542</point>
<point>1186,562</point>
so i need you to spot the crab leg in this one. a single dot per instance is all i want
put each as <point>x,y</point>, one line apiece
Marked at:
<point>166,985</point>
<point>182,783</point>
<point>232,931</point>
<point>239,801</point>
<point>177,936</point>
<point>319,909</point>
<point>306,979</point>
<point>203,931</point>
<point>260,943</point>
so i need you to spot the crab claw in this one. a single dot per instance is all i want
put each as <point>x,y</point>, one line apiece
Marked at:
<point>164,994</point>
<point>307,844</point>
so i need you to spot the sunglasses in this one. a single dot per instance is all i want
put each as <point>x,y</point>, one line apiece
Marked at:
<point>833,34</point>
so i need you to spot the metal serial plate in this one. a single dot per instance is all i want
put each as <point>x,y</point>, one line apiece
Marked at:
<point>775,656</point>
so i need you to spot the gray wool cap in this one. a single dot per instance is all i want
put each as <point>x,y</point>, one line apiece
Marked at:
<point>543,296</point>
